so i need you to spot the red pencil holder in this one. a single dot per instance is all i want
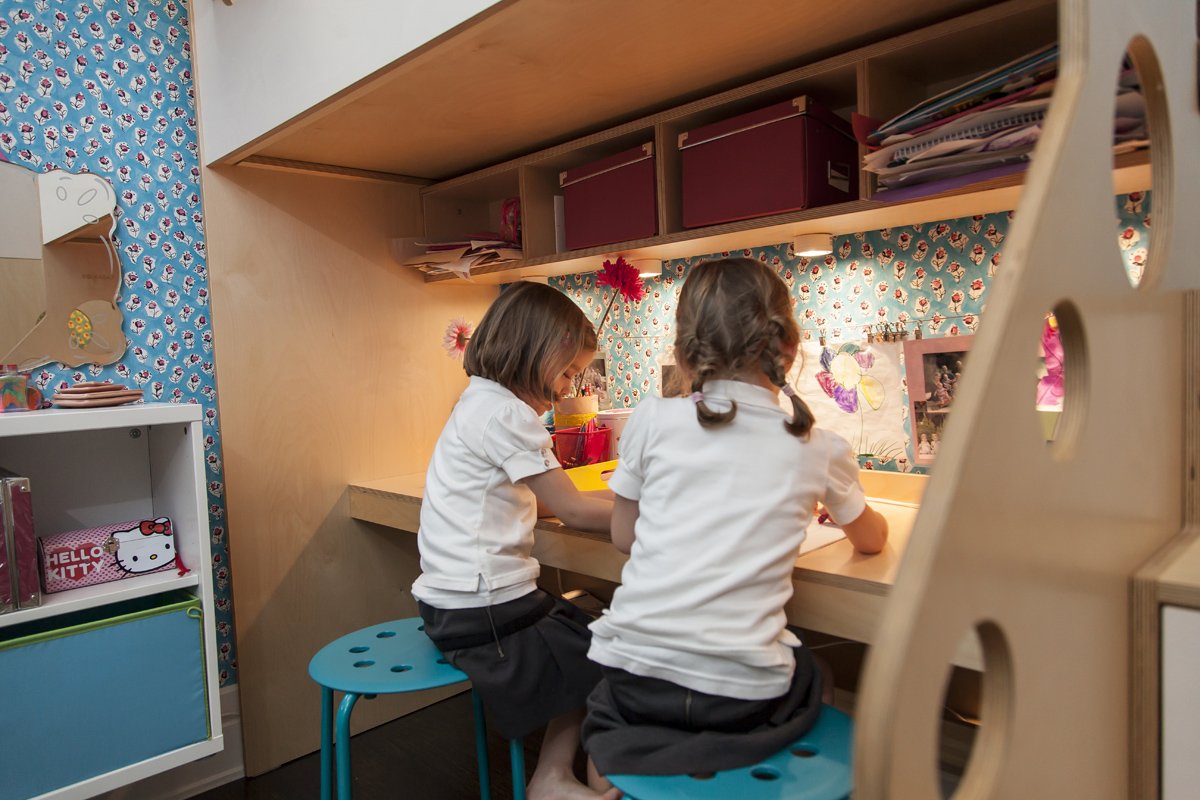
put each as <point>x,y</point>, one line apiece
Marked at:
<point>576,447</point>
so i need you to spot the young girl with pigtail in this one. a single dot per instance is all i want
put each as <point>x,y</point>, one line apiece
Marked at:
<point>713,496</point>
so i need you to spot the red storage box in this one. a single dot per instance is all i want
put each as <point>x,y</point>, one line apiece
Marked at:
<point>611,200</point>
<point>786,157</point>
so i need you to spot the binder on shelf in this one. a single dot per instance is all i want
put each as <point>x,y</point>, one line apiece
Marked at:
<point>560,224</point>
<point>19,582</point>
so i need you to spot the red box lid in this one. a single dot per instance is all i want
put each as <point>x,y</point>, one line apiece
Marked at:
<point>800,106</point>
<point>622,159</point>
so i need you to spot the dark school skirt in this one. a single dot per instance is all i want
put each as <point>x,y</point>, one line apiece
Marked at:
<point>648,726</point>
<point>526,658</point>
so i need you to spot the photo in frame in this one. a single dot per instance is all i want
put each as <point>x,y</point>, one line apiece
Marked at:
<point>594,380</point>
<point>934,370</point>
<point>671,378</point>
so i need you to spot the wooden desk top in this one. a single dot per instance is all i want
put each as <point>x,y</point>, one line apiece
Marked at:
<point>837,563</point>
<point>836,589</point>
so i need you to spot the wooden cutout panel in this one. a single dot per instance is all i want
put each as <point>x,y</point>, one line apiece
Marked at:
<point>1037,545</point>
<point>60,295</point>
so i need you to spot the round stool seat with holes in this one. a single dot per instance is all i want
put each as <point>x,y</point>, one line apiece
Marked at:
<point>390,658</point>
<point>815,767</point>
<point>383,659</point>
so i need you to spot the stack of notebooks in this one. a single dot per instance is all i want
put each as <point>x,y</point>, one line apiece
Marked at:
<point>984,128</point>
<point>460,257</point>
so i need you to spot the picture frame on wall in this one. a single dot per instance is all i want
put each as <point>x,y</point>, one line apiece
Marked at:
<point>934,370</point>
<point>595,380</point>
<point>670,377</point>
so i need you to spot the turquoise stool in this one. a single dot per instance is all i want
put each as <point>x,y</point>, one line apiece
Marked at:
<point>815,767</point>
<point>390,658</point>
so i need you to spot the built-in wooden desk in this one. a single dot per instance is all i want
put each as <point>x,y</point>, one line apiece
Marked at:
<point>835,589</point>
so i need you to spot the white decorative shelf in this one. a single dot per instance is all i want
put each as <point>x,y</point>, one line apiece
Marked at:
<point>71,420</point>
<point>101,594</point>
<point>89,467</point>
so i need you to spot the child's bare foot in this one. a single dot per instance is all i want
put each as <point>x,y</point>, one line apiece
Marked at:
<point>548,785</point>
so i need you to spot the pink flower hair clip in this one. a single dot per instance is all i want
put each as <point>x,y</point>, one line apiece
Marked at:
<point>458,333</point>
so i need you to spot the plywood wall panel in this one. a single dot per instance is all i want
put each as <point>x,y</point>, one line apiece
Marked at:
<point>1037,544</point>
<point>329,370</point>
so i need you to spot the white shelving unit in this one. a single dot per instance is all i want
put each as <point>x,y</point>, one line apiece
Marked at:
<point>95,466</point>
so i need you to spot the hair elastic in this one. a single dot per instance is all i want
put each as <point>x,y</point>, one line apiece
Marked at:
<point>788,390</point>
<point>697,397</point>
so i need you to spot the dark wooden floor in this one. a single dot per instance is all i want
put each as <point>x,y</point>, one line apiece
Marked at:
<point>429,754</point>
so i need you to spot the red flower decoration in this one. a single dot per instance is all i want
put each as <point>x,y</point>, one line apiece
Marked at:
<point>622,276</point>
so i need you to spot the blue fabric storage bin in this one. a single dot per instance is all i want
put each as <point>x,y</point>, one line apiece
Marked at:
<point>86,693</point>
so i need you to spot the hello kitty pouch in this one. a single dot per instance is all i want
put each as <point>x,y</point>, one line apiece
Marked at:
<point>108,553</point>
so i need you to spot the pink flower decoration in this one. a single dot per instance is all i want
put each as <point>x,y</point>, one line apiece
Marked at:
<point>622,276</point>
<point>1050,385</point>
<point>458,333</point>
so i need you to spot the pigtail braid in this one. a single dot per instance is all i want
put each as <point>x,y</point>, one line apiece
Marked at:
<point>774,363</point>
<point>706,364</point>
<point>735,319</point>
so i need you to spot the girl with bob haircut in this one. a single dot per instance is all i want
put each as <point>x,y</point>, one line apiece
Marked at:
<point>714,493</point>
<point>492,467</point>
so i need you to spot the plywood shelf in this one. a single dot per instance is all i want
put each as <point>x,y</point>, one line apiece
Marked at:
<point>1132,173</point>
<point>877,80</point>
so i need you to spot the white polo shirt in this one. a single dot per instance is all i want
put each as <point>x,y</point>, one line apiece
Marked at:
<point>722,513</point>
<point>476,532</point>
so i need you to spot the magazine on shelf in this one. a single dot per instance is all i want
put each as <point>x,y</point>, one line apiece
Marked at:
<point>980,128</point>
<point>1016,75</point>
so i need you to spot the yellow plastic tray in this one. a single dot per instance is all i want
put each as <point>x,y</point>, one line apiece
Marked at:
<point>588,478</point>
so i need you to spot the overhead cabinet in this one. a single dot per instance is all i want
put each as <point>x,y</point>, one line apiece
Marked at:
<point>756,164</point>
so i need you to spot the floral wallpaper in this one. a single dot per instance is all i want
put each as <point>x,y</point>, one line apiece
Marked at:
<point>106,87</point>
<point>935,276</point>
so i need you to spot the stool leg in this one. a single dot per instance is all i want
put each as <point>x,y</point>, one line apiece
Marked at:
<point>481,753</point>
<point>326,743</point>
<point>516,753</point>
<point>344,791</point>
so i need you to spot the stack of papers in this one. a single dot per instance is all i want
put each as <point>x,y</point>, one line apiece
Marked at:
<point>461,257</point>
<point>983,128</point>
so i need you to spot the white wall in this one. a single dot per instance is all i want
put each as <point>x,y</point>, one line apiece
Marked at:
<point>261,62</point>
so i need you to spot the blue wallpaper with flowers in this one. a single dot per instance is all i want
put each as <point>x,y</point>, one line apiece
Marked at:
<point>936,276</point>
<point>106,87</point>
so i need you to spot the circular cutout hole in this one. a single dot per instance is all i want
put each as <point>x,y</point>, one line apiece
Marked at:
<point>421,627</point>
<point>803,751</point>
<point>359,649</point>
<point>976,714</point>
<point>1140,136</point>
<point>442,660</point>
<point>385,634</point>
<point>361,664</point>
<point>402,668</point>
<point>765,774</point>
<point>1061,370</point>
<point>703,776</point>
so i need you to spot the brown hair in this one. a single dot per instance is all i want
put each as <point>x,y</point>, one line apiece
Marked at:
<point>528,335</point>
<point>734,317</point>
